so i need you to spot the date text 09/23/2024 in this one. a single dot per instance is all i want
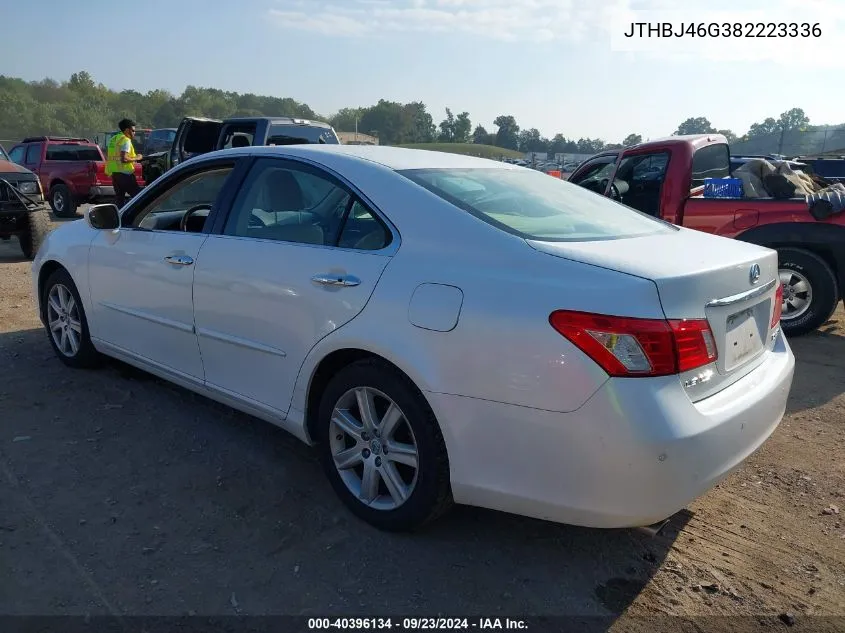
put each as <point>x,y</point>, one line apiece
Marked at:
<point>416,624</point>
<point>723,29</point>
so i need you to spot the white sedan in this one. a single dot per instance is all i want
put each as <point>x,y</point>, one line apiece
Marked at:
<point>443,328</point>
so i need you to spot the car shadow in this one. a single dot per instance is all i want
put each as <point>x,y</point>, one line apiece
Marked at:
<point>147,480</point>
<point>820,365</point>
<point>10,251</point>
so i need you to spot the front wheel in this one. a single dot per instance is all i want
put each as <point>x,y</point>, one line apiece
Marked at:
<point>65,322</point>
<point>382,449</point>
<point>810,291</point>
<point>37,229</point>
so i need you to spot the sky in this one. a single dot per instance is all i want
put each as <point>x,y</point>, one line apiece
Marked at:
<point>562,66</point>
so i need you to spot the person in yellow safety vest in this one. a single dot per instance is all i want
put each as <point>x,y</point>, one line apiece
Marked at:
<point>120,162</point>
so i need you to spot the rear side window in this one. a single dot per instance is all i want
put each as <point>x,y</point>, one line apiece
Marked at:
<point>712,161</point>
<point>72,151</point>
<point>535,205</point>
<point>281,134</point>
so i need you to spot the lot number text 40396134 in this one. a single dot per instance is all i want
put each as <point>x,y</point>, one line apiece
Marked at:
<point>417,624</point>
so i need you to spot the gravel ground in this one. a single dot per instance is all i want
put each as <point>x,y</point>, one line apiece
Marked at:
<point>121,494</point>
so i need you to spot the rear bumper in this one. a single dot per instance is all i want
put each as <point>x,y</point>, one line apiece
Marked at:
<point>637,452</point>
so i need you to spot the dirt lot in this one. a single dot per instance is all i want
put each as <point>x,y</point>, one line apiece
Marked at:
<point>121,494</point>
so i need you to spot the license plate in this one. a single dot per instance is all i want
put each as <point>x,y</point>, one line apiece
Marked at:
<point>742,339</point>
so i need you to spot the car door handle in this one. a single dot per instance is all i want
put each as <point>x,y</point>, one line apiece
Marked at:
<point>336,280</point>
<point>179,260</point>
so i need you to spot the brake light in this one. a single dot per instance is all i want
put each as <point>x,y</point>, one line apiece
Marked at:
<point>776,313</point>
<point>632,347</point>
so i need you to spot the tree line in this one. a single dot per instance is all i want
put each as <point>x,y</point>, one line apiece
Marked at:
<point>82,107</point>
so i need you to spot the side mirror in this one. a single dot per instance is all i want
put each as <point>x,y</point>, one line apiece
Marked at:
<point>103,217</point>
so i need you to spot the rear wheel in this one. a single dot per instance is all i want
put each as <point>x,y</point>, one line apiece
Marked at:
<point>382,449</point>
<point>62,202</point>
<point>38,227</point>
<point>810,291</point>
<point>65,322</point>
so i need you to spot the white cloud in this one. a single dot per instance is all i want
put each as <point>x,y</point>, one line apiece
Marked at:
<point>589,23</point>
<point>504,20</point>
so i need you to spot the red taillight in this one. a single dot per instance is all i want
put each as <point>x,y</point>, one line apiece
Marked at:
<point>628,347</point>
<point>778,306</point>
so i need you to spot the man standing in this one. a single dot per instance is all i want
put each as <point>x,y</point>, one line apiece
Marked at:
<point>120,162</point>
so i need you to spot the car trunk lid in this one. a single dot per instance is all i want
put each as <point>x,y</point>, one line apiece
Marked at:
<point>731,283</point>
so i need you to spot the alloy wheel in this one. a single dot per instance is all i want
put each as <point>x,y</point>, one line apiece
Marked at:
<point>64,321</point>
<point>797,294</point>
<point>373,448</point>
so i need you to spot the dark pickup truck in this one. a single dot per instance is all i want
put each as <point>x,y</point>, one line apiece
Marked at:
<point>197,135</point>
<point>665,178</point>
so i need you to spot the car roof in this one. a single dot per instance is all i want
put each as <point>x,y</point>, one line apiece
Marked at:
<point>396,158</point>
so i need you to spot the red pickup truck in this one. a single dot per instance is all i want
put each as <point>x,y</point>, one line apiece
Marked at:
<point>71,170</point>
<point>664,178</point>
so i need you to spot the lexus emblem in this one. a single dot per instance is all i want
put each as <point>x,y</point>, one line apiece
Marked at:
<point>754,274</point>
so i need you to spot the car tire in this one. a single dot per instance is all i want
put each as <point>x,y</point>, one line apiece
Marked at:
<point>810,285</point>
<point>427,490</point>
<point>62,202</point>
<point>56,303</point>
<point>37,229</point>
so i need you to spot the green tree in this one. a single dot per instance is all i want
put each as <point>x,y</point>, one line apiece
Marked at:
<point>632,139</point>
<point>507,135</point>
<point>695,125</point>
<point>482,136</point>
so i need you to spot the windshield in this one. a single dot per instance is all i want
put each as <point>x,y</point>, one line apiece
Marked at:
<point>534,205</point>
<point>3,154</point>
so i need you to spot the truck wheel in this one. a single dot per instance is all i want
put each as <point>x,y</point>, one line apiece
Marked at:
<point>37,230</point>
<point>810,291</point>
<point>62,202</point>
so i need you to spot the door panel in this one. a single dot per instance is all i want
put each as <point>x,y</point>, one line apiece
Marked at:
<point>258,312</point>
<point>141,276</point>
<point>292,266</point>
<point>142,302</point>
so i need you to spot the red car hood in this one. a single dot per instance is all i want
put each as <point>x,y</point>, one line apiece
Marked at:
<point>8,167</point>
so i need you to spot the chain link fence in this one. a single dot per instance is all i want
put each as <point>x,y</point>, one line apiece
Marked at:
<point>794,143</point>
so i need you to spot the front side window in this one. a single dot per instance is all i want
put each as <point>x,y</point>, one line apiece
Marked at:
<point>33,154</point>
<point>197,191</point>
<point>639,181</point>
<point>534,205</point>
<point>595,175</point>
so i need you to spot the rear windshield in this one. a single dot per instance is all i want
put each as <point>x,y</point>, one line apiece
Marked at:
<point>534,205</point>
<point>300,134</point>
<point>710,161</point>
<point>72,151</point>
